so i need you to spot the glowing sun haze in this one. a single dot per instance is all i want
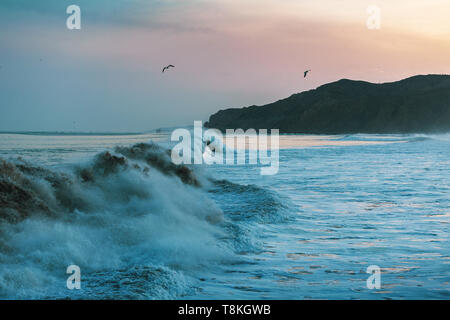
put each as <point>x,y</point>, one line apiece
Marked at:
<point>227,53</point>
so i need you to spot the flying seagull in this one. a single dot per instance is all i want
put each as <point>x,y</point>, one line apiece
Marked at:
<point>169,66</point>
<point>305,73</point>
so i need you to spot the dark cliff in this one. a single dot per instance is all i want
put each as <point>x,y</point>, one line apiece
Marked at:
<point>414,105</point>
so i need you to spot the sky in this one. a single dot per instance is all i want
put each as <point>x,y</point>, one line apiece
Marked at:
<point>106,77</point>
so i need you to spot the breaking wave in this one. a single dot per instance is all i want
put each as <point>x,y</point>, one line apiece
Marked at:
<point>138,226</point>
<point>439,137</point>
<point>419,137</point>
<point>130,207</point>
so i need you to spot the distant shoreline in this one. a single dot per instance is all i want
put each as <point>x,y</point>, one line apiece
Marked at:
<point>67,133</point>
<point>87,134</point>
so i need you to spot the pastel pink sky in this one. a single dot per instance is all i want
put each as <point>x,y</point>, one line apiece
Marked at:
<point>227,53</point>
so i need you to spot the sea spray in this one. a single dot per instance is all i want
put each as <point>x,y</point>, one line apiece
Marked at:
<point>127,208</point>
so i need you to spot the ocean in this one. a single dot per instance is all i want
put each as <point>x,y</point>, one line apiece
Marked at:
<point>140,228</point>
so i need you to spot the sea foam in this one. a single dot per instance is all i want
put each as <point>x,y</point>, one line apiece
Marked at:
<point>126,211</point>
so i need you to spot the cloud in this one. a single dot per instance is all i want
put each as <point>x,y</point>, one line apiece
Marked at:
<point>227,53</point>
<point>103,11</point>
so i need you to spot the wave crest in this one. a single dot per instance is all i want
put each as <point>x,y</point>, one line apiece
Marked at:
<point>124,208</point>
<point>27,189</point>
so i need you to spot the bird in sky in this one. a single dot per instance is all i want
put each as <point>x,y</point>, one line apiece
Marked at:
<point>305,73</point>
<point>169,66</point>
